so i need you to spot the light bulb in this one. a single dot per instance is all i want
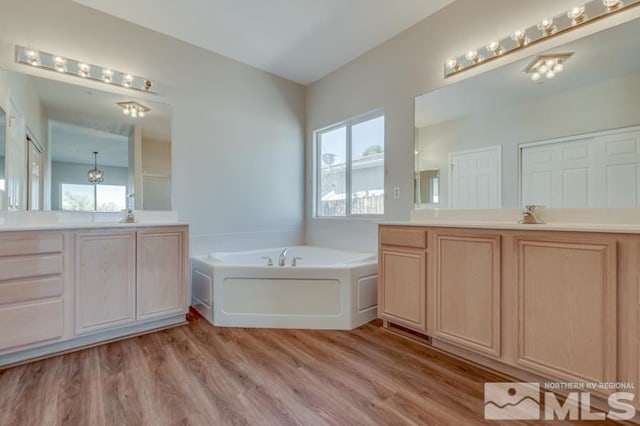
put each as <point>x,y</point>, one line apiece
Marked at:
<point>612,5</point>
<point>577,15</point>
<point>128,79</point>
<point>546,26</point>
<point>495,48</point>
<point>134,112</point>
<point>471,55</point>
<point>550,62</point>
<point>125,111</point>
<point>107,75</point>
<point>558,67</point>
<point>550,74</point>
<point>535,76</point>
<point>31,53</point>
<point>141,114</point>
<point>520,38</point>
<point>543,69</point>
<point>453,64</point>
<point>83,70</point>
<point>35,62</point>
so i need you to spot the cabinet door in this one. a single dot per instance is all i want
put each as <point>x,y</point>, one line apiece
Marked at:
<point>467,290</point>
<point>567,307</point>
<point>402,287</point>
<point>105,280</point>
<point>161,273</point>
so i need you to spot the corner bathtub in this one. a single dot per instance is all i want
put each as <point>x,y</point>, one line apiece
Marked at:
<point>328,289</point>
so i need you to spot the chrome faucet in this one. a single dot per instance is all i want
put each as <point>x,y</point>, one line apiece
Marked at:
<point>528,215</point>
<point>283,257</point>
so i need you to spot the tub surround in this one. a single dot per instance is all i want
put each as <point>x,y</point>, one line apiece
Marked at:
<point>551,302</point>
<point>66,285</point>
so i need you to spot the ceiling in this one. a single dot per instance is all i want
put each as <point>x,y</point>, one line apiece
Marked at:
<point>75,144</point>
<point>598,57</point>
<point>300,40</point>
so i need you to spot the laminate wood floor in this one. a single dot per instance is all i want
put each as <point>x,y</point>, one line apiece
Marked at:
<point>203,375</point>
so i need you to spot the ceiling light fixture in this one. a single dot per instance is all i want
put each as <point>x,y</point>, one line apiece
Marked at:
<point>553,26</point>
<point>134,109</point>
<point>95,175</point>
<point>547,66</point>
<point>68,66</point>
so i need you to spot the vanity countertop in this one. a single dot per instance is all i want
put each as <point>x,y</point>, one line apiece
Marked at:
<point>556,226</point>
<point>603,220</point>
<point>56,220</point>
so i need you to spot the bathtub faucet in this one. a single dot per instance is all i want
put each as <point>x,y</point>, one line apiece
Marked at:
<point>283,257</point>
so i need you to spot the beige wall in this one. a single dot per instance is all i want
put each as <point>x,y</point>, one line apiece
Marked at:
<point>237,132</point>
<point>391,76</point>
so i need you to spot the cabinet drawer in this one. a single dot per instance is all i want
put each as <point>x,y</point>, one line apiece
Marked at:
<point>32,323</point>
<point>31,289</point>
<point>415,237</point>
<point>16,245</point>
<point>30,266</point>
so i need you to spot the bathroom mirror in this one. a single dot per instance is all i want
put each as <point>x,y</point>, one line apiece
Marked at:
<point>502,139</point>
<point>59,127</point>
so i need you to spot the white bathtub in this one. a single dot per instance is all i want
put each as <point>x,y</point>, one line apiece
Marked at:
<point>328,289</point>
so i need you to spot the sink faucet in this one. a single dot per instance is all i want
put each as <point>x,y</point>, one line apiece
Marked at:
<point>129,218</point>
<point>283,257</point>
<point>528,215</point>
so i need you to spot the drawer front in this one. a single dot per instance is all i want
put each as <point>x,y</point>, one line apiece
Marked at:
<point>16,245</point>
<point>415,237</point>
<point>30,324</point>
<point>31,289</point>
<point>30,266</point>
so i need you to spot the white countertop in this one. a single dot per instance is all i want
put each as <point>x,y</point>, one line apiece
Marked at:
<point>49,220</point>
<point>604,220</point>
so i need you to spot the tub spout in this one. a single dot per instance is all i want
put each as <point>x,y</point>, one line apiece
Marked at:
<point>283,257</point>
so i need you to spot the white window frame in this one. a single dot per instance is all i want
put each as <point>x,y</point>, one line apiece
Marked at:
<point>348,124</point>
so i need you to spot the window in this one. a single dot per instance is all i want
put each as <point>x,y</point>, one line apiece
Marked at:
<point>350,167</point>
<point>102,198</point>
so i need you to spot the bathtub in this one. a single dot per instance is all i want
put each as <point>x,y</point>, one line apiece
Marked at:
<point>328,289</point>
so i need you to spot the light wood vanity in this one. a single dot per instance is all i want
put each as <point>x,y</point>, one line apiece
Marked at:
<point>535,304</point>
<point>62,289</point>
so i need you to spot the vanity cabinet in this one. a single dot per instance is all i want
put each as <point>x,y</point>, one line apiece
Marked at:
<point>567,306</point>
<point>402,266</point>
<point>67,289</point>
<point>160,266</point>
<point>466,288</point>
<point>31,289</point>
<point>537,305</point>
<point>105,280</point>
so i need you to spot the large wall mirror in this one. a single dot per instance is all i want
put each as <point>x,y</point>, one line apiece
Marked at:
<point>507,137</point>
<point>55,133</point>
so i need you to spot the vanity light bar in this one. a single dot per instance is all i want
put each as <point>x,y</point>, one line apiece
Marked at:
<point>579,15</point>
<point>68,66</point>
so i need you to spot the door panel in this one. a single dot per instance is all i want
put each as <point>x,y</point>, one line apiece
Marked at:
<point>475,179</point>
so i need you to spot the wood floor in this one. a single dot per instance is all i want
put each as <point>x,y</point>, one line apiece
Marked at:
<point>202,375</point>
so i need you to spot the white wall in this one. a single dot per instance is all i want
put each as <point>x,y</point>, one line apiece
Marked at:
<point>237,132</point>
<point>606,105</point>
<point>391,76</point>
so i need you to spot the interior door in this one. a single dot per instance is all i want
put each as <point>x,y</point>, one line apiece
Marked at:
<point>475,179</point>
<point>598,170</point>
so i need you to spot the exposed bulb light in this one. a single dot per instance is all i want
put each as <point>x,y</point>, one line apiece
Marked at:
<point>577,15</point>
<point>107,76</point>
<point>84,70</point>
<point>550,74</point>
<point>127,80</point>
<point>558,67</point>
<point>547,27</point>
<point>134,109</point>
<point>473,56</point>
<point>60,64</point>
<point>612,5</point>
<point>520,37</point>
<point>141,114</point>
<point>535,76</point>
<point>495,48</point>
<point>453,64</point>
